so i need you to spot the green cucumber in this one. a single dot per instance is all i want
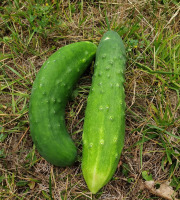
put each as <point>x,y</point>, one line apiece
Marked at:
<point>50,92</point>
<point>104,123</point>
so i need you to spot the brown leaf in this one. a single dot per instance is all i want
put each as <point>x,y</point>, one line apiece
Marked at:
<point>119,164</point>
<point>165,190</point>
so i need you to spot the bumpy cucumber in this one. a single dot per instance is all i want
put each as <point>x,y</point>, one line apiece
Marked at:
<point>50,93</point>
<point>104,123</point>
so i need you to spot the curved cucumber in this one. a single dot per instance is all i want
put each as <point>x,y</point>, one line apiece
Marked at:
<point>50,92</point>
<point>104,123</point>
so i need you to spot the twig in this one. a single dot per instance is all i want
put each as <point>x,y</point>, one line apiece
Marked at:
<point>21,139</point>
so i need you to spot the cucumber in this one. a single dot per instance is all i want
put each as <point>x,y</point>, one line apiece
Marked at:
<point>50,92</point>
<point>104,123</point>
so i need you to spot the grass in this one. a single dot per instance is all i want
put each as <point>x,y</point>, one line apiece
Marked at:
<point>30,32</point>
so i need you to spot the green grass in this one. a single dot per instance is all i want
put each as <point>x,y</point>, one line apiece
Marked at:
<point>30,32</point>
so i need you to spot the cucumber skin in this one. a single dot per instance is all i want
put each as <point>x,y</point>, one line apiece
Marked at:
<point>50,92</point>
<point>104,123</point>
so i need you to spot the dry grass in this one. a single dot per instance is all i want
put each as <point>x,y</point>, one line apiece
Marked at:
<point>150,33</point>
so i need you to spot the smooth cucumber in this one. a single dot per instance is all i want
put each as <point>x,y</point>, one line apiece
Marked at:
<point>104,123</point>
<point>50,92</point>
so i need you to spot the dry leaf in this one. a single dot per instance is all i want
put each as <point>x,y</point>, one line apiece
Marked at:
<point>119,164</point>
<point>165,190</point>
<point>31,185</point>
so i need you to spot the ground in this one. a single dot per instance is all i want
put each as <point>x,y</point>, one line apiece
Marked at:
<point>30,32</point>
